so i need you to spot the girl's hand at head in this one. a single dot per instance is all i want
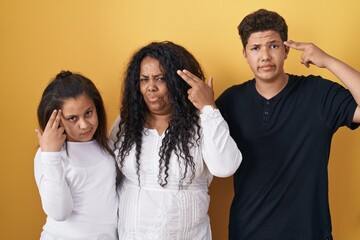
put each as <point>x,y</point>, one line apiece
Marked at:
<point>53,137</point>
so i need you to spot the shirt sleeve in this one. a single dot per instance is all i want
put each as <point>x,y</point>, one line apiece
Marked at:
<point>219,150</point>
<point>337,105</point>
<point>53,188</point>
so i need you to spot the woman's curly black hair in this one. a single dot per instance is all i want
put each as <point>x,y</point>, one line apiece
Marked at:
<point>183,131</point>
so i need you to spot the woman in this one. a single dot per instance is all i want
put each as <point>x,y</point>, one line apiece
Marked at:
<point>167,149</point>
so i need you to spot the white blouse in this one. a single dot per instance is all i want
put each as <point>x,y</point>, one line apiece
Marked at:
<point>149,211</point>
<point>77,192</point>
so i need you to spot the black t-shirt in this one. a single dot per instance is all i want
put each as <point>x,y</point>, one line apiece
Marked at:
<point>281,186</point>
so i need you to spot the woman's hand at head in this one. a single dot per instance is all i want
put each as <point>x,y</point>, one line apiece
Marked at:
<point>200,93</point>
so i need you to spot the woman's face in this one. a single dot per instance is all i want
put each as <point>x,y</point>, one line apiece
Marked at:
<point>153,87</point>
<point>79,118</point>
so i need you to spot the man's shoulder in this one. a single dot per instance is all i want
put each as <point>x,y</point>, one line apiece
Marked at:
<point>235,94</point>
<point>294,77</point>
<point>308,82</point>
<point>244,86</point>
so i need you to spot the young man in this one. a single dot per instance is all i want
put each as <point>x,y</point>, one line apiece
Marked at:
<point>283,125</point>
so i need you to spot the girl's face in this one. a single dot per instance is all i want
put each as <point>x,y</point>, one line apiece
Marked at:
<point>153,87</point>
<point>79,118</point>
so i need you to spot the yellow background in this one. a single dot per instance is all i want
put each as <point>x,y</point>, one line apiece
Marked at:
<point>41,37</point>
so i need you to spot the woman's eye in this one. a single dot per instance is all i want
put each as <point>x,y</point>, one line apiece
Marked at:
<point>89,113</point>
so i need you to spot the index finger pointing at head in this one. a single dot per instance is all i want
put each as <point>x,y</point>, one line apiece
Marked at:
<point>51,120</point>
<point>293,44</point>
<point>57,119</point>
<point>191,75</point>
<point>187,78</point>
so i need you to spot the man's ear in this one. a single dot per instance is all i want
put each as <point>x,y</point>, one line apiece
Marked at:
<point>244,54</point>
<point>287,50</point>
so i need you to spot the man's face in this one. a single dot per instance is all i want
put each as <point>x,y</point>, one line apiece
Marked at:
<point>265,53</point>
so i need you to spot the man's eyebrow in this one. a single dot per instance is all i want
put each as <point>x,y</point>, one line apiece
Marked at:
<point>274,41</point>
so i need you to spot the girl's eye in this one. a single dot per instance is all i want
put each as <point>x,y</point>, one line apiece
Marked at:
<point>72,119</point>
<point>143,80</point>
<point>161,79</point>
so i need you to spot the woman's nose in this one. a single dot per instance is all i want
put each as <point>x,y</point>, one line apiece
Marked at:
<point>152,86</point>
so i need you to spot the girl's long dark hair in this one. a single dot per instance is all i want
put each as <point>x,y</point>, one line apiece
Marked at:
<point>70,85</point>
<point>183,131</point>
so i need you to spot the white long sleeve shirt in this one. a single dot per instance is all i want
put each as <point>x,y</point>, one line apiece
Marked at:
<point>150,211</point>
<point>78,192</point>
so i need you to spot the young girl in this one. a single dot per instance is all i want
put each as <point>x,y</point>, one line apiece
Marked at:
<point>74,167</point>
